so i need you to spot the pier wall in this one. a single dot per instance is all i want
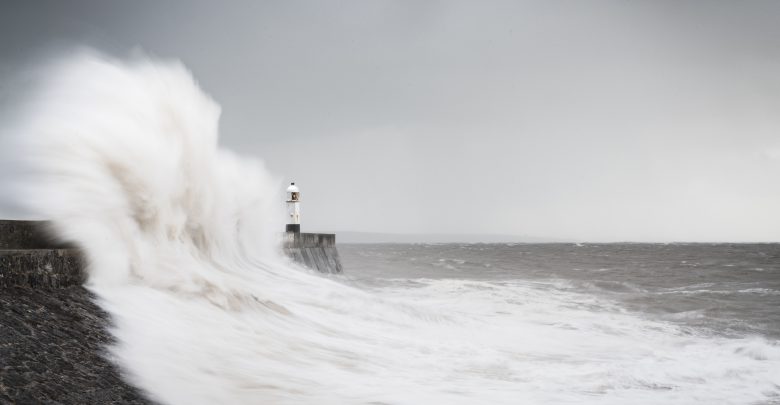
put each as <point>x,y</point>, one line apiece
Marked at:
<point>316,251</point>
<point>29,257</point>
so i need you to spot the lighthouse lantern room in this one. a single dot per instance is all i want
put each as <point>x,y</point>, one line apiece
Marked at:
<point>293,209</point>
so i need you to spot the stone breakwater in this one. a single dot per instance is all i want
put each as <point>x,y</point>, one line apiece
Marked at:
<point>52,335</point>
<point>316,251</point>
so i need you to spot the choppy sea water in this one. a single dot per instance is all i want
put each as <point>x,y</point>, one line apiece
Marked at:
<point>730,290</point>
<point>603,323</point>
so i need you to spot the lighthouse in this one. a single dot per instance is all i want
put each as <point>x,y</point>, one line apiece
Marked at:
<point>293,209</point>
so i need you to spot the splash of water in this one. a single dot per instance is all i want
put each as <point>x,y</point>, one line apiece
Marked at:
<point>179,235</point>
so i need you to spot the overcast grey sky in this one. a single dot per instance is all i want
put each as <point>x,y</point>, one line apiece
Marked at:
<point>644,121</point>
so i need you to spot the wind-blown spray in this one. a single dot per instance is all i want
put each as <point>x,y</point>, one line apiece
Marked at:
<point>179,235</point>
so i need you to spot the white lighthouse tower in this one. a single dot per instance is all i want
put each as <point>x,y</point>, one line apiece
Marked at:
<point>293,209</point>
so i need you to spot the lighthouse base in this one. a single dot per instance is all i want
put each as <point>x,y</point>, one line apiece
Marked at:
<point>316,251</point>
<point>293,228</point>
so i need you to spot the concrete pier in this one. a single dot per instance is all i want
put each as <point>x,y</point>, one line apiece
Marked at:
<point>26,235</point>
<point>30,257</point>
<point>316,251</point>
<point>41,268</point>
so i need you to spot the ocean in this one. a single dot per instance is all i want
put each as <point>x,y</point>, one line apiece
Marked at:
<point>647,323</point>
<point>729,290</point>
<point>181,240</point>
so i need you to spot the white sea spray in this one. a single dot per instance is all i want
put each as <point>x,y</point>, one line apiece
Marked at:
<point>180,237</point>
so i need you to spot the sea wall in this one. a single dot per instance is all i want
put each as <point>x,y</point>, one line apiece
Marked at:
<point>52,335</point>
<point>316,251</point>
<point>29,256</point>
<point>26,235</point>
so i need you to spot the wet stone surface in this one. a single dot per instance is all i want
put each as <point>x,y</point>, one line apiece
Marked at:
<point>41,268</point>
<point>52,349</point>
<point>28,235</point>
